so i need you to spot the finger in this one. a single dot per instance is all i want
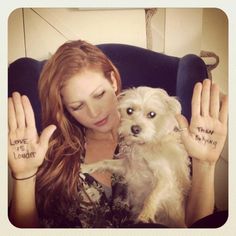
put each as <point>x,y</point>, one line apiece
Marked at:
<point>46,135</point>
<point>11,116</point>
<point>183,126</point>
<point>20,115</point>
<point>215,101</point>
<point>29,113</point>
<point>223,116</point>
<point>196,99</point>
<point>205,99</point>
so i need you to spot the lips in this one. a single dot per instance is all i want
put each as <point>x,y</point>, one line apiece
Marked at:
<point>101,122</point>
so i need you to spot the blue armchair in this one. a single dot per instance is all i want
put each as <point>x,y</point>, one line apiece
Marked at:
<point>137,66</point>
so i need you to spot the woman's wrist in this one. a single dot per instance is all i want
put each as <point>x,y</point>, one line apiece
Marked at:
<point>24,176</point>
<point>203,169</point>
<point>204,163</point>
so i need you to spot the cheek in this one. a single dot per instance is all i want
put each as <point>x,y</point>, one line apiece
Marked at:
<point>110,102</point>
<point>80,117</point>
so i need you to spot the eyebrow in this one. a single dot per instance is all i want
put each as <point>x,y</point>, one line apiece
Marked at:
<point>94,91</point>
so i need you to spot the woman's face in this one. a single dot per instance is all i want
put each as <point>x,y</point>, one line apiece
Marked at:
<point>90,98</point>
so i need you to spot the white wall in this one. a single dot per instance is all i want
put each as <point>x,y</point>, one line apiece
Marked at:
<point>183,31</point>
<point>215,38</point>
<point>47,28</point>
<point>189,30</point>
<point>16,46</point>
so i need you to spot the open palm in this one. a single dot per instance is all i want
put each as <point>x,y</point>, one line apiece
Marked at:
<point>26,150</point>
<point>205,137</point>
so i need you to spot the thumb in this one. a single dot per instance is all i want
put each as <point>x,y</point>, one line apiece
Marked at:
<point>46,135</point>
<point>183,125</point>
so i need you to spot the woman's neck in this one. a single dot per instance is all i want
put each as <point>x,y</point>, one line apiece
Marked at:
<point>99,136</point>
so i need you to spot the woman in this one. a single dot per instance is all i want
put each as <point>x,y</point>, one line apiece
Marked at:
<point>78,88</point>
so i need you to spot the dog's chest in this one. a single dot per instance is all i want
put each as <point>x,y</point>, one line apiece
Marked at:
<point>138,172</point>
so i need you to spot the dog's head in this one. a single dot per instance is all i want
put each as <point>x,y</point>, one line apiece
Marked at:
<point>147,114</point>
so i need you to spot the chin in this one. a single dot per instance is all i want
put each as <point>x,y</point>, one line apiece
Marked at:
<point>105,128</point>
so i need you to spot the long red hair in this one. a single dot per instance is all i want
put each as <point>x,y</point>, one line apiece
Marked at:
<point>58,176</point>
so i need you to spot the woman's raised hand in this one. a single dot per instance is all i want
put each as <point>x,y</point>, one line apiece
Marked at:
<point>26,150</point>
<point>205,137</point>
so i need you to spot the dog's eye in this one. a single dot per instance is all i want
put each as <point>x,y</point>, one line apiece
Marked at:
<point>129,111</point>
<point>151,114</point>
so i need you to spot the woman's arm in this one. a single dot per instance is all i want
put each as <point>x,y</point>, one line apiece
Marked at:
<point>23,212</point>
<point>201,199</point>
<point>204,140</point>
<point>26,152</point>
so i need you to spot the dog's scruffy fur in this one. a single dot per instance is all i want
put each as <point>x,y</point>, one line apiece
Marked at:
<point>156,165</point>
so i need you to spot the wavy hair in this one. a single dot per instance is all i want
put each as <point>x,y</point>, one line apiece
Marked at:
<point>58,176</point>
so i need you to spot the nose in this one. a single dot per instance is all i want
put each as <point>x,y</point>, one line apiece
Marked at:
<point>136,129</point>
<point>93,110</point>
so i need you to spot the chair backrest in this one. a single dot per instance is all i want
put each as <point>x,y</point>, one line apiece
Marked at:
<point>137,66</point>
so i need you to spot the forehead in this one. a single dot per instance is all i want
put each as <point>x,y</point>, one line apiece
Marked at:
<point>142,99</point>
<point>82,85</point>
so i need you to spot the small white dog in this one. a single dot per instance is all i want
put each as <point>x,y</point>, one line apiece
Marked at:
<point>154,163</point>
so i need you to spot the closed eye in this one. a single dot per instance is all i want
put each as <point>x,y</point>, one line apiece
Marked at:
<point>79,107</point>
<point>100,95</point>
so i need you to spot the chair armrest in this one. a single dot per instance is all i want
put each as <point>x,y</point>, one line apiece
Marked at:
<point>23,75</point>
<point>191,70</point>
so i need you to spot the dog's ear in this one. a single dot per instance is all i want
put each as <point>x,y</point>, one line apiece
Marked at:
<point>124,92</point>
<point>172,102</point>
<point>121,95</point>
<point>174,105</point>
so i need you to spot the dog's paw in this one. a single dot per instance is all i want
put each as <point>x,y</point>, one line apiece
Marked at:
<point>145,217</point>
<point>87,168</point>
<point>142,218</point>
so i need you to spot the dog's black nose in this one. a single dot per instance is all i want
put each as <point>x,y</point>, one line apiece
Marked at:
<point>136,129</point>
